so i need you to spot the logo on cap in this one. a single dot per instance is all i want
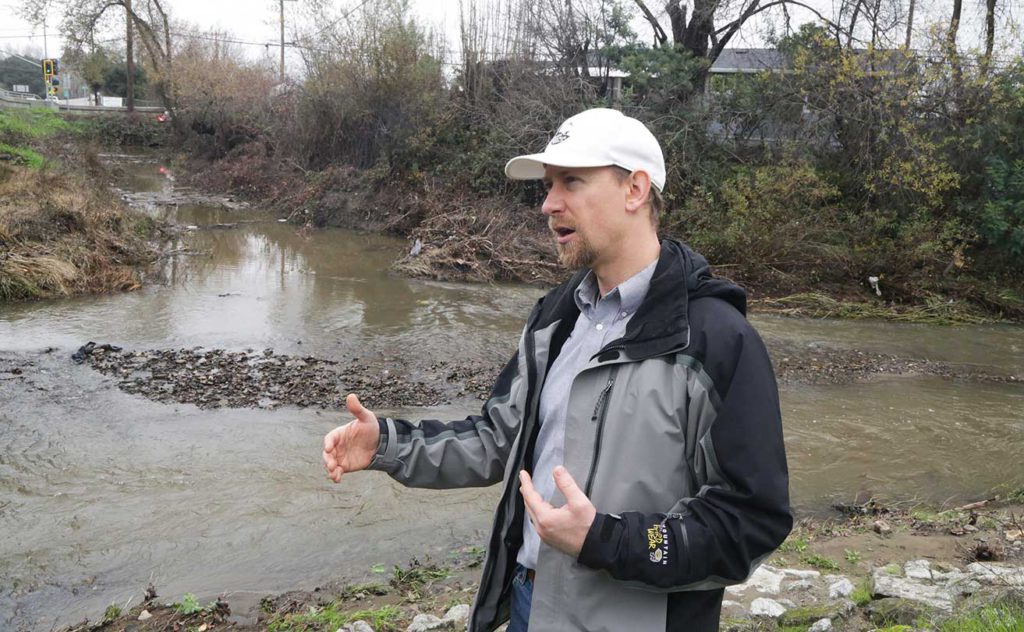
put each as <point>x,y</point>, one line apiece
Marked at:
<point>562,134</point>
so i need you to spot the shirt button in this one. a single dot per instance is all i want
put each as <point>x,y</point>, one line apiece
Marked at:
<point>599,326</point>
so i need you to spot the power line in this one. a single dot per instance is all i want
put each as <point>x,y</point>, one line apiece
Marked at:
<point>29,36</point>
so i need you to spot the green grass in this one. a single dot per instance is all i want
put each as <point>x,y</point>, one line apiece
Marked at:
<point>330,617</point>
<point>853,557</point>
<point>794,543</point>
<point>862,593</point>
<point>1001,618</point>
<point>35,123</point>
<point>23,155</point>
<point>820,562</point>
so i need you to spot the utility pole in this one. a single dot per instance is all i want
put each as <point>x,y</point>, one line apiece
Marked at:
<point>282,41</point>
<point>281,2</point>
<point>130,45</point>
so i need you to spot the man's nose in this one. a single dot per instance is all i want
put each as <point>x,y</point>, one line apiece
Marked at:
<point>552,203</point>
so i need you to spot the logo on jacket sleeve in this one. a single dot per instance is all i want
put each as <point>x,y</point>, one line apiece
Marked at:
<point>657,543</point>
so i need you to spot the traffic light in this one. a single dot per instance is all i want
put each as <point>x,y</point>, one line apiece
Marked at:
<point>56,69</point>
<point>48,67</point>
<point>54,81</point>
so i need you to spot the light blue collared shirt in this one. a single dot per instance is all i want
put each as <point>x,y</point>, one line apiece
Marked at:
<point>601,320</point>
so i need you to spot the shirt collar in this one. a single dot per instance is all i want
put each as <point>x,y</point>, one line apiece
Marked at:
<point>630,293</point>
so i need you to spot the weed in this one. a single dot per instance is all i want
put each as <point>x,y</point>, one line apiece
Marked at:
<point>330,617</point>
<point>112,612</point>
<point>793,543</point>
<point>188,605</point>
<point>991,618</point>
<point>417,576</point>
<point>853,557</point>
<point>862,593</point>
<point>820,562</point>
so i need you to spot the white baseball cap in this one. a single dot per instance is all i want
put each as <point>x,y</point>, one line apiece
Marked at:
<point>600,137</point>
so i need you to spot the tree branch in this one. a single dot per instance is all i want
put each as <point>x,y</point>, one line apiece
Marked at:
<point>659,33</point>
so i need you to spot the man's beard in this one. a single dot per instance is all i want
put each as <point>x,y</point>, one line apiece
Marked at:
<point>577,253</point>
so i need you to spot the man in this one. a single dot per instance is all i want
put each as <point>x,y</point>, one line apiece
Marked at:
<point>637,429</point>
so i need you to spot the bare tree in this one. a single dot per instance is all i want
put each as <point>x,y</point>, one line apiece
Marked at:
<point>81,20</point>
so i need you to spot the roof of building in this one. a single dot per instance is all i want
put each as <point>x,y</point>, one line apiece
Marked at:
<point>736,60</point>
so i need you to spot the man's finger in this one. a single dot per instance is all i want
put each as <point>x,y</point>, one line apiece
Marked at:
<point>531,497</point>
<point>330,439</point>
<point>567,485</point>
<point>356,408</point>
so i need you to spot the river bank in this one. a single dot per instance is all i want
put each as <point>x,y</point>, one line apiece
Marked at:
<point>63,230</point>
<point>871,568</point>
<point>458,235</point>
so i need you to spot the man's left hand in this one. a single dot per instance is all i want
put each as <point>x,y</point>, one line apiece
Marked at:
<point>564,528</point>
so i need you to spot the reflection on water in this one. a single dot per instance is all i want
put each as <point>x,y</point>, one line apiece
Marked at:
<point>101,492</point>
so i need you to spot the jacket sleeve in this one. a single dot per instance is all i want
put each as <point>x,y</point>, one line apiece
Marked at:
<point>470,452</point>
<point>740,513</point>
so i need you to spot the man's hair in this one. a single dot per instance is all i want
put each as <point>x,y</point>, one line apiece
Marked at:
<point>655,200</point>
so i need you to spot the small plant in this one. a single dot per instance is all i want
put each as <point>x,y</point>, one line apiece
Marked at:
<point>188,605</point>
<point>112,612</point>
<point>820,562</point>
<point>862,594</point>
<point>853,557</point>
<point>796,544</point>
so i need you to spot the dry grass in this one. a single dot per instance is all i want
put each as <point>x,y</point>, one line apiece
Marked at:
<point>63,234</point>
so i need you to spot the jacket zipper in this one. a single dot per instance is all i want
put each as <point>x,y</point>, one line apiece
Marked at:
<point>600,412</point>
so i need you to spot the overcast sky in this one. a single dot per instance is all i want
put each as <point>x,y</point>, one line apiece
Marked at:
<point>257,21</point>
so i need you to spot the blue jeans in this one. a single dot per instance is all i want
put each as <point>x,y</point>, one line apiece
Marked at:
<point>522,595</point>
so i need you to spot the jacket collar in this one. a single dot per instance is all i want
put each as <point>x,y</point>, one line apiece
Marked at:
<point>661,324</point>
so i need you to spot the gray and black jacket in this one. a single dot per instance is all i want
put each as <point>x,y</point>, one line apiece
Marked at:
<point>674,431</point>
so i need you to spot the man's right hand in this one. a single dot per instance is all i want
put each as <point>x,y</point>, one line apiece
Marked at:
<point>351,447</point>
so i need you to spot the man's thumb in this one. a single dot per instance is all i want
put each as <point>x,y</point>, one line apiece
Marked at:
<point>357,409</point>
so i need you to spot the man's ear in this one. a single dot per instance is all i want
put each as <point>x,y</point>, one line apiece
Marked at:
<point>639,183</point>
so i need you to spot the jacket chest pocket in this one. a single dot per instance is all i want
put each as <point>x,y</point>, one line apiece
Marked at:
<point>634,445</point>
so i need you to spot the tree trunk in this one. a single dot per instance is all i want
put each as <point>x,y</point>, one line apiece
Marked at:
<point>130,57</point>
<point>910,23</point>
<point>990,34</point>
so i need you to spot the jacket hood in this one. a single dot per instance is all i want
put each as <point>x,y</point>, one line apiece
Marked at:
<point>661,323</point>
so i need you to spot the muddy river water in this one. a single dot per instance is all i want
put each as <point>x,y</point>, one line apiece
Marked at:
<point>102,492</point>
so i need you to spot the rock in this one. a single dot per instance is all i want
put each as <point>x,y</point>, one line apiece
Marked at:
<point>458,615</point>
<point>801,585</point>
<point>888,585</point>
<point>881,527</point>
<point>918,569</point>
<point>821,625</point>
<point>764,579</point>
<point>425,623</point>
<point>801,574</point>
<point>840,589</point>
<point>356,626</point>
<point>997,574</point>
<point>892,611</point>
<point>764,607</point>
<point>145,616</point>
